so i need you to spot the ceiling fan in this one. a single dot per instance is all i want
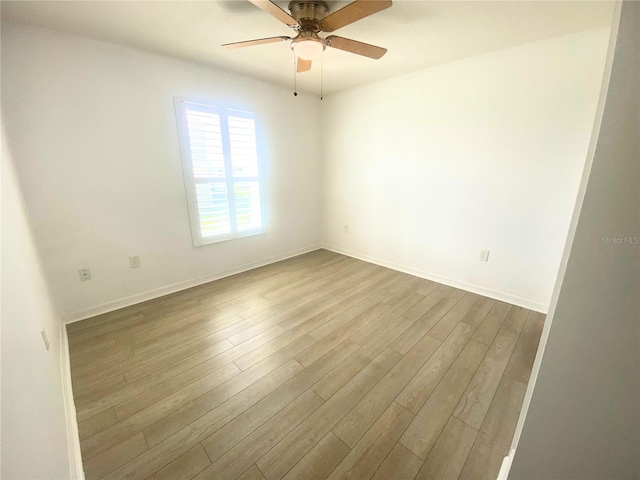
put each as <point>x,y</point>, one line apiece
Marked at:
<point>308,18</point>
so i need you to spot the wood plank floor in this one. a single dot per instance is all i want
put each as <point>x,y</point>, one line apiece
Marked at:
<point>320,366</point>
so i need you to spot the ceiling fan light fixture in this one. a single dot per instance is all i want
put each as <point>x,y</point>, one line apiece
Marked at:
<point>308,49</point>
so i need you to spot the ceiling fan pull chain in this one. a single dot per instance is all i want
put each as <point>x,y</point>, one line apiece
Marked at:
<point>295,77</point>
<point>321,75</point>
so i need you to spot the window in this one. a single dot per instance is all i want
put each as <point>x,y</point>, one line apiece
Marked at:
<point>221,171</point>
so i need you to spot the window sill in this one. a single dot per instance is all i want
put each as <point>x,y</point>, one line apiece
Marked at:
<point>226,238</point>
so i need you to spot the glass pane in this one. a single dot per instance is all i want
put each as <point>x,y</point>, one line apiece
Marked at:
<point>213,209</point>
<point>205,140</point>
<point>248,212</point>
<point>242,142</point>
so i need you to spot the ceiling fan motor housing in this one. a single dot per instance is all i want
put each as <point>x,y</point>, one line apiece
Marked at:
<point>308,14</point>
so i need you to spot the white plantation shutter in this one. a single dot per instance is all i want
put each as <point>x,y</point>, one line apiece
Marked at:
<point>244,163</point>
<point>221,168</point>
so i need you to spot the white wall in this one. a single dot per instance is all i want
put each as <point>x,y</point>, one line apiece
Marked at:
<point>93,125</point>
<point>429,168</point>
<point>34,432</point>
<point>584,416</point>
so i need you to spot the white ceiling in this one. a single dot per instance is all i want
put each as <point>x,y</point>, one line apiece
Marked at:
<point>417,33</point>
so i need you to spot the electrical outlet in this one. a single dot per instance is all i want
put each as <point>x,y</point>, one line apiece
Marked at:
<point>85,274</point>
<point>484,255</point>
<point>346,229</point>
<point>134,262</point>
<point>45,339</point>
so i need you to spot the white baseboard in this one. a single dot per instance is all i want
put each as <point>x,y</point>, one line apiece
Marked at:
<point>73,439</point>
<point>486,292</point>
<point>503,474</point>
<point>176,287</point>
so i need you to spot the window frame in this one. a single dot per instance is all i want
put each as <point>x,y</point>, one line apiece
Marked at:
<point>229,180</point>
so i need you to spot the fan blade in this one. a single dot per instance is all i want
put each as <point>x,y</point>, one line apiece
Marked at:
<point>352,13</point>
<point>353,46</point>
<point>259,41</point>
<point>303,65</point>
<point>275,11</point>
